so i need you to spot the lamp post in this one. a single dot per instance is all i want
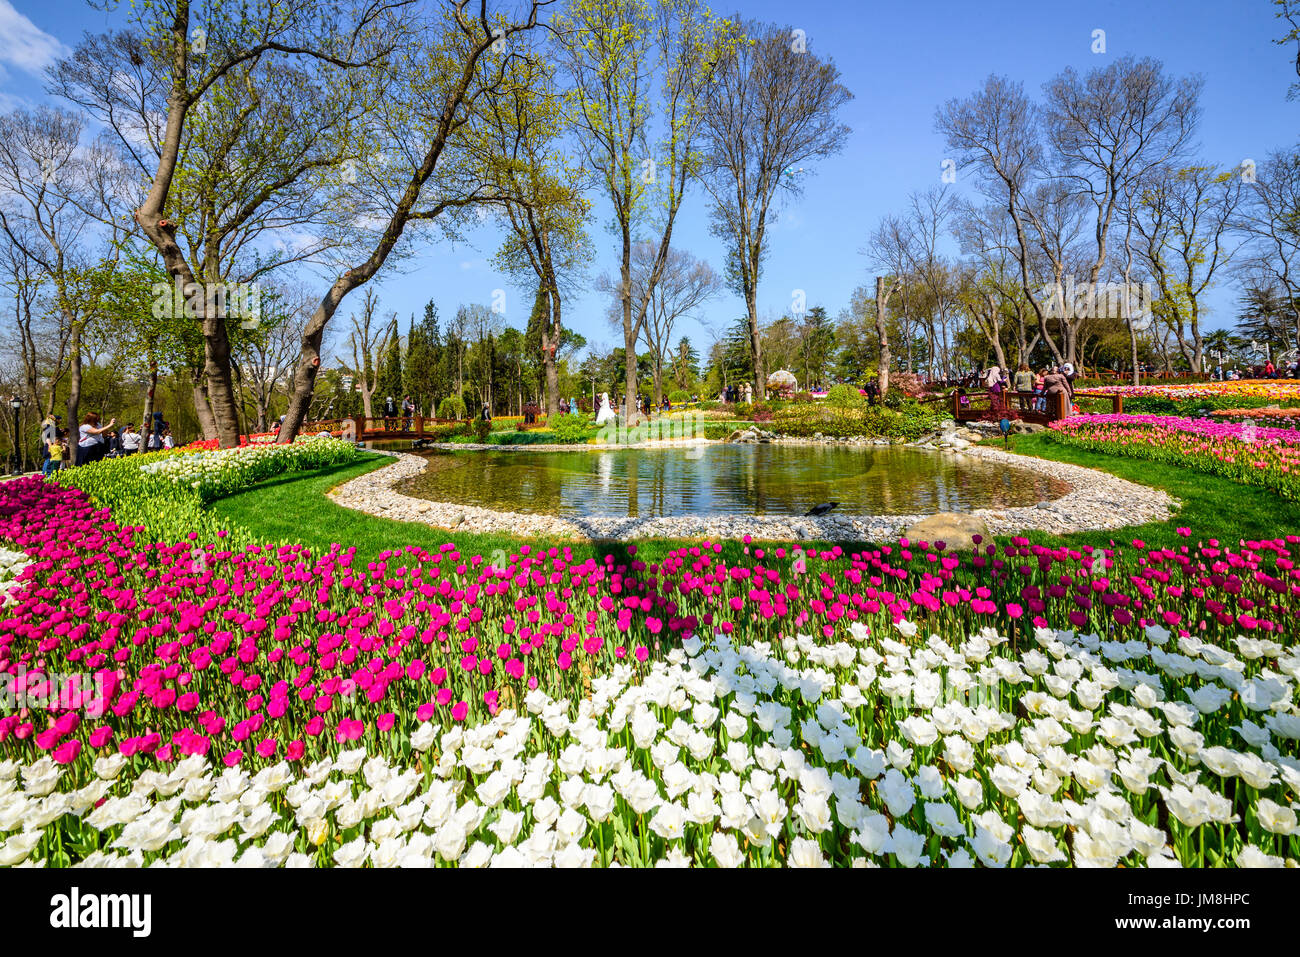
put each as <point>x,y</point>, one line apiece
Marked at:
<point>16,403</point>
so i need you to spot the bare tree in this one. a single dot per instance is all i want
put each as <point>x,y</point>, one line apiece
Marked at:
<point>423,121</point>
<point>1115,125</point>
<point>52,192</point>
<point>367,343</point>
<point>1184,218</point>
<point>227,86</point>
<point>1269,218</point>
<point>772,106</point>
<point>264,360</point>
<point>685,284</point>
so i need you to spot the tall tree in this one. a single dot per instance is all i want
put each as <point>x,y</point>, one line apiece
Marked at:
<point>53,194</point>
<point>425,126</point>
<point>230,115</point>
<point>611,50</point>
<point>544,212</point>
<point>1184,219</point>
<point>1271,217</point>
<point>367,342</point>
<point>1114,126</point>
<point>772,106</point>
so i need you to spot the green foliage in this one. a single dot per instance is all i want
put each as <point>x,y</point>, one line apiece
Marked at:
<point>452,407</point>
<point>717,430</point>
<point>910,420</point>
<point>844,397</point>
<point>482,429</point>
<point>569,429</point>
<point>678,396</point>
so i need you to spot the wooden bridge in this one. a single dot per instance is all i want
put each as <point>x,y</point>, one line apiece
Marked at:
<point>983,407</point>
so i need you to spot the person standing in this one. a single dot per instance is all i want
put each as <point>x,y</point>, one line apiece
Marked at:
<point>54,454</point>
<point>993,385</point>
<point>130,441</point>
<point>1056,385</point>
<point>167,441</point>
<point>90,441</point>
<point>408,412</point>
<point>1024,384</point>
<point>49,434</point>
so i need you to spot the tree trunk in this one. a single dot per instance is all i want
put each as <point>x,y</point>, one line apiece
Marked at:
<point>74,377</point>
<point>882,329</point>
<point>1133,342</point>
<point>148,400</point>
<point>551,329</point>
<point>202,407</point>
<point>756,344</point>
<point>221,389</point>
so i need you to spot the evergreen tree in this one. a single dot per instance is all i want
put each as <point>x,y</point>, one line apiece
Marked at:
<point>425,377</point>
<point>685,366</point>
<point>390,367</point>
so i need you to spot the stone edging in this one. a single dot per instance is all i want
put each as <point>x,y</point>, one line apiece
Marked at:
<point>1097,501</point>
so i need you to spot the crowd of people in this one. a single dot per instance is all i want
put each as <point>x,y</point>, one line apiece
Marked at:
<point>92,442</point>
<point>1287,370</point>
<point>1035,391</point>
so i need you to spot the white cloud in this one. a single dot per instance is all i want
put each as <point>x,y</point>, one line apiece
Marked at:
<point>25,45</point>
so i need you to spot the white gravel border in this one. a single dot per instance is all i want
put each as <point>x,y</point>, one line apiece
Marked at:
<point>1097,501</point>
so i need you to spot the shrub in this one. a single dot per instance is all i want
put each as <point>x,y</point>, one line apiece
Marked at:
<point>761,411</point>
<point>915,419</point>
<point>717,430</point>
<point>845,397</point>
<point>805,421</point>
<point>452,407</point>
<point>569,429</point>
<point>678,396</point>
<point>908,383</point>
<point>482,428</point>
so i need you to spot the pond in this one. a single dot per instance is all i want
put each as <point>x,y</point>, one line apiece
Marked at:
<point>737,480</point>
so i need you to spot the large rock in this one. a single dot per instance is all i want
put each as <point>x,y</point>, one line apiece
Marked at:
<point>954,529</point>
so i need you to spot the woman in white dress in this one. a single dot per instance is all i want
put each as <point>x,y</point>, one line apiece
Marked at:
<point>606,411</point>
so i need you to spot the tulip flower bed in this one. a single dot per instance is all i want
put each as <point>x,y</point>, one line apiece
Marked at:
<point>898,705</point>
<point>167,492</point>
<point>1266,457</point>
<point>1274,418</point>
<point>1273,390</point>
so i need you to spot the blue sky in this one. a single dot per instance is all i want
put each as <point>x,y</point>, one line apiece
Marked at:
<point>900,61</point>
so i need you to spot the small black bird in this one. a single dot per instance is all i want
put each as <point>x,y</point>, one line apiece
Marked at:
<point>821,509</point>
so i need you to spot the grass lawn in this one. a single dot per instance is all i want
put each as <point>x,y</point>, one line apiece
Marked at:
<point>293,508</point>
<point>1212,507</point>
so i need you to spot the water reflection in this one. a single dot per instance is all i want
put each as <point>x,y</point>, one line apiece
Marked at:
<point>727,479</point>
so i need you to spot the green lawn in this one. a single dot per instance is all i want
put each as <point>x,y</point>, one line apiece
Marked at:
<point>293,508</point>
<point>1212,507</point>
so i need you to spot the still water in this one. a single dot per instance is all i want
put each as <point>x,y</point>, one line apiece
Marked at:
<point>726,480</point>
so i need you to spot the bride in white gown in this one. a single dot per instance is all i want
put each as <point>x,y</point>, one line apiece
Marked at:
<point>606,412</point>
